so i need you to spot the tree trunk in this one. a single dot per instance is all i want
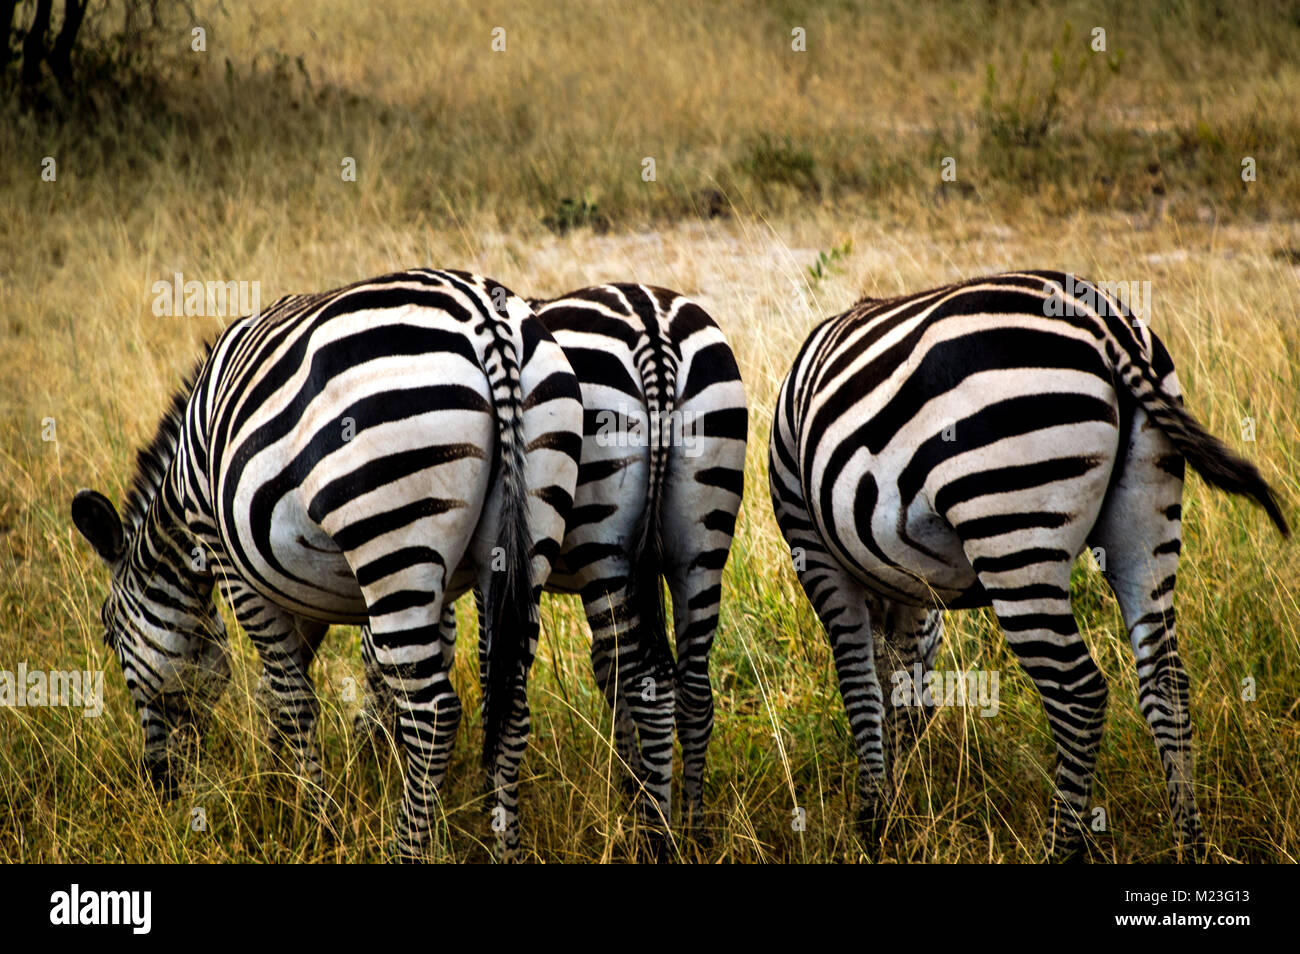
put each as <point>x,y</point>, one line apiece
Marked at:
<point>34,44</point>
<point>61,55</point>
<point>7,8</point>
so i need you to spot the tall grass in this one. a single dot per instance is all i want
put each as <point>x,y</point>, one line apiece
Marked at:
<point>232,173</point>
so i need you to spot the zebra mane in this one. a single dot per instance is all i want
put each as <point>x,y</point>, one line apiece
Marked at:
<point>876,300</point>
<point>152,460</point>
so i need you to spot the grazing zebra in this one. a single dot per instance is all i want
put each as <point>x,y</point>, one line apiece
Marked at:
<point>359,456</point>
<point>659,485</point>
<point>959,448</point>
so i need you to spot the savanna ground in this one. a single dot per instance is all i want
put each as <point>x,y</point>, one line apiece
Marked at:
<point>787,183</point>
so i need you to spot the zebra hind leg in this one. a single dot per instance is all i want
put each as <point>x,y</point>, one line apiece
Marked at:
<point>374,727</point>
<point>640,689</point>
<point>840,602</point>
<point>1138,540</point>
<point>605,665</point>
<point>697,593</point>
<point>841,605</point>
<point>410,663</point>
<point>1032,603</point>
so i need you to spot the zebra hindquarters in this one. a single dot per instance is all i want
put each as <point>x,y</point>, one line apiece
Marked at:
<point>611,557</point>
<point>702,495</point>
<point>1137,541</point>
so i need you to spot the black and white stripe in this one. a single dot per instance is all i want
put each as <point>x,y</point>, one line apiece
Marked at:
<point>959,448</point>
<point>364,455</point>
<point>659,485</point>
<point>662,475</point>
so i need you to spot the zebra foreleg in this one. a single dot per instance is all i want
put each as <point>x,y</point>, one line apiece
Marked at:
<point>286,645</point>
<point>913,636</point>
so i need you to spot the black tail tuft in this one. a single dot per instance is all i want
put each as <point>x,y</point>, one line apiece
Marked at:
<point>645,589</point>
<point>508,617</point>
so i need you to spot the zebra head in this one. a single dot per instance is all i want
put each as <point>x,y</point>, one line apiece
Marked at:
<point>161,621</point>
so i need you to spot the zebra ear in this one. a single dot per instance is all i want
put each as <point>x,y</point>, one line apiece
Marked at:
<point>99,523</point>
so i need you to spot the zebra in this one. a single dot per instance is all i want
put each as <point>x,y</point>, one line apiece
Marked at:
<point>364,455</point>
<point>959,448</point>
<point>660,482</point>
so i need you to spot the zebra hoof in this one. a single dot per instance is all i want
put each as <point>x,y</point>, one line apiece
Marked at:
<point>870,830</point>
<point>164,775</point>
<point>654,845</point>
<point>629,785</point>
<point>694,832</point>
<point>1194,847</point>
<point>1071,851</point>
<point>405,855</point>
<point>504,854</point>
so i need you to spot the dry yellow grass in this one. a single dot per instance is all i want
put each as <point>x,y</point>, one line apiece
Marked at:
<point>461,153</point>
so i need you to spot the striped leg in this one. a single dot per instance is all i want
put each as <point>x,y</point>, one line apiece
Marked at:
<point>309,635</point>
<point>697,593</point>
<point>912,636</point>
<point>702,494</point>
<point>1139,534</point>
<point>286,645</point>
<point>408,654</point>
<point>841,604</point>
<point>1032,603</point>
<point>608,628</point>
<point>640,689</point>
<point>378,716</point>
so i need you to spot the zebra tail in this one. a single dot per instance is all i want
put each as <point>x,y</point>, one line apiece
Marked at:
<point>509,610</point>
<point>645,590</point>
<point>1217,464</point>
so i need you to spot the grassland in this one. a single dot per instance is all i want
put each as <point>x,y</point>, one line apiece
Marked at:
<point>1123,165</point>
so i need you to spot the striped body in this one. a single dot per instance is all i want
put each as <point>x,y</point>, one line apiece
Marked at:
<point>960,448</point>
<point>360,456</point>
<point>659,486</point>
